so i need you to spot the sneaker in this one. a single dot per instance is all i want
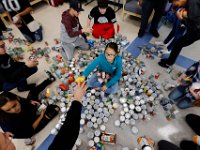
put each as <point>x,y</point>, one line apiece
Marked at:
<point>141,33</point>
<point>160,43</point>
<point>7,30</point>
<point>165,51</point>
<point>163,64</point>
<point>154,33</point>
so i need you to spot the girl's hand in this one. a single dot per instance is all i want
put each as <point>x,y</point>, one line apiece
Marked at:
<point>35,102</point>
<point>42,113</point>
<point>104,88</point>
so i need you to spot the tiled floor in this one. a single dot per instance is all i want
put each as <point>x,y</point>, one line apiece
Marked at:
<point>158,128</point>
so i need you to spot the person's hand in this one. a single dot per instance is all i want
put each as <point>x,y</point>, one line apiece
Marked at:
<point>80,91</point>
<point>80,79</point>
<point>86,30</point>
<point>140,2</point>
<point>31,63</point>
<point>42,113</point>
<point>179,13</point>
<point>104,88</point>
<point>35,102</point>
<point>185,13</point>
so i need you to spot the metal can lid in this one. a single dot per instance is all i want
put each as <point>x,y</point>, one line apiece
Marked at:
<point>91,143</point>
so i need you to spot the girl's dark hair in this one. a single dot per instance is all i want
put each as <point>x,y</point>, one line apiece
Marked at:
<point>7,96</point>
<point>102,3</point>
<point>113,46</point>
<point>4,98</point>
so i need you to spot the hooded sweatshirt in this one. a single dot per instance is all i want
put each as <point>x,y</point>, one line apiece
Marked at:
<point>70,27</point>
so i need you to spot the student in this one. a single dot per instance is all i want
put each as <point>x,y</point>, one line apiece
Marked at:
<point>147,7</point>
<point>187,94</point>
<point>71,30</point>
<point>194,122</point>
<point>188,13</point>
<point>20,12</point>
<point>69,131</point>
<point>109,62</point>
<point>105,23</point>
<point>14,74</point>
<point>3,28</point>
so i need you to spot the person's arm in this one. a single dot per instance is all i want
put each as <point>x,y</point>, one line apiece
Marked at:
<point>90,17</point>
<point>117,75</point>
<point>69,28</point>
<point>25,12</point>
<point>114,20</point>
<point>68,134</point>
<point>92,66</point>
<point>38,120</point>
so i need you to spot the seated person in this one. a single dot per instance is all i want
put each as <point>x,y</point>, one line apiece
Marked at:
<point>20,11</point>
<point>69,131</point>
<point>71,30</point>
<point>105,23</point>
<point>14,74</point>
<point>109,62</point>
<point>187,94</point>
<point>194,122</point>
<point>21,117</point>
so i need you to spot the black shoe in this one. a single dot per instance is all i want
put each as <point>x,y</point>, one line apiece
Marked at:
<point>154,33</point>
<point>163,64</point>
<point>50,76</point>
<point>26,88</point>
<point>141,33</point>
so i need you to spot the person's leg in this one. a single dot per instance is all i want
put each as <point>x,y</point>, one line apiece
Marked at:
<point>179,32</point>
<point>68,50</point>
<point>38,34</point>
<point>184,41</point>
<point>172,33</point>
<point>34,93</point>
<point>177,93</point>
<point>93,82</point>
<point>113,89</point>
<point>159,7</point>
<point>188,145</point>
<point>147,8</point>
<point>98,30</point>
<point>80,42</point>
<point>184,103</point>
<point>165,145</point>
<point>110,31</point>
<point>27,33</point>
<point>194,122</point>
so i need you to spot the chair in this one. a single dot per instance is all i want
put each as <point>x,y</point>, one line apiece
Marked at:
<point>131,7</point>
<point>3,17</point>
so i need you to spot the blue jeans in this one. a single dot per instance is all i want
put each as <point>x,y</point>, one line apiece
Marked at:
<point>178,96</point>
<point>175,34</point>
<point>94,83</point>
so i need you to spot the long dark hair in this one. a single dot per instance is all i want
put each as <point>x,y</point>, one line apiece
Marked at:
<point>4,98</point>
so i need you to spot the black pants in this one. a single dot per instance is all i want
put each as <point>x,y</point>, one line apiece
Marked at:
<point>27,33</point>
<point>147,8</point>
<point>2,27</point>
<point>194,122</point>
<point>33,94</point>
<point>186,40</point>
<point>185,145</point>
<point>165,145</point>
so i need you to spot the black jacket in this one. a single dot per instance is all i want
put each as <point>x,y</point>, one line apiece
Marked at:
<point>68,134</point>
<point>11,70</point>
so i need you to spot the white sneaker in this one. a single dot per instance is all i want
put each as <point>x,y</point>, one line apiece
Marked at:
<point>160,43</point>
<point>165,51</point>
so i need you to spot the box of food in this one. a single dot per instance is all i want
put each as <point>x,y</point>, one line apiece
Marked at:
<point>108,138</point>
